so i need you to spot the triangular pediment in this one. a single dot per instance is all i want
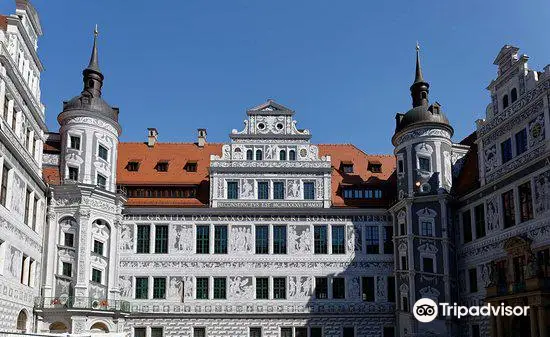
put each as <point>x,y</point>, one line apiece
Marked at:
<point>271,106</point>
<point>507,52</point>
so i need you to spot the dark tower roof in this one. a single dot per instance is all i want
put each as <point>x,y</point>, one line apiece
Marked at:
<point>90,102</point>
<point>421,112</point>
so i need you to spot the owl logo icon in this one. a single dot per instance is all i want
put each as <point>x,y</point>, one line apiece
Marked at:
<point>425,310</point>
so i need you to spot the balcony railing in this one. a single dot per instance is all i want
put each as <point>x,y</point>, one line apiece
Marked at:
<point>72,302</point>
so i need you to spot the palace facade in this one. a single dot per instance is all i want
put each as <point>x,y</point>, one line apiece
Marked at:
<point>268,234</point>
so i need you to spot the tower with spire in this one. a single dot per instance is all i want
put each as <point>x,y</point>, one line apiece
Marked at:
<point>85,210</point>
<point>424,256</point>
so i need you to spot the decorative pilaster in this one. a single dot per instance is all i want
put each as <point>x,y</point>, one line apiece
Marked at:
<point>83,261</point>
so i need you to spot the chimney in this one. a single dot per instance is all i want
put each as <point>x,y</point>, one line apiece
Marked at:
<point>152,136</point>
<point>201,141</point>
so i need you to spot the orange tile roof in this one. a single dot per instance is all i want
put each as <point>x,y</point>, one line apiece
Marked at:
<point>178,154</point>
<point>3,22</point>
<point>51,175</point>
<point>343,153</point>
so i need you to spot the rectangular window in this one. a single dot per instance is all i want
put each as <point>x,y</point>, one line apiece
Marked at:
<point>321,288</point>
<point>367,289</point>
<point>220,240</point>
<point>4,186</point>
<point>525,202</point>
<point>202,288</point>
<point>232,190</point>
<point>98,247</point>
<point>279,288</point>
<point>467,226</point>
<point>96,275</point>
<point>472,278</point>
<point>156,332</point>
<point>509,209</point>
<point>262,239</point>
<point>349,332</point>
<point>347,193</point>
<point>338,240</point>
<point>101,181</point>
<point>203,239</point>
<point>278,190</point>
<point>34,213</point>
<point>255,332</point>
<point>372,240</point>
<point>143,232</point>
<point>424,164</point>
<point>479,215</point>
<point>426,228</point>
<point>102,152</point>
<point>75,142</point>
<point>67,269</point>
<point>159,287</point>
<point>27,206</point>
<point>506,150</point>
<point>132,166</point>
<point>300,332</point>
<point>162,166</point>
<point>400,166</point>
<point>142,287</point>
<point>161,239</point>
<point>263,190</point>
<point>73,173</point>
<point>14,120</point>
<point>339,288</point>
<point>140,332</point>
<point>190,167</point>
<point>262,288</point>
<point>199,332</point>
<point>286,332</point>
<point>521,142</point>
<point>69,240</point>
<point>388,240</point>
<point>428,263</point>
<point>391,289</point>
<point>347,168</point>
<point>279,239</point>
<point>320,239</point>
<point>309,190</point>
<point>220,288</point>
<point>316,332</point>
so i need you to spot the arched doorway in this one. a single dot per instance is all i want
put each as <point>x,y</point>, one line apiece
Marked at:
<point>99,327</point>
<point>58,327</point>
<point>22,321</point>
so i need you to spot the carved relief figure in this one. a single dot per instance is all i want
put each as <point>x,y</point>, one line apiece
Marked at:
<point>492,214</point>
<point>448,172</point>
<point>299,287</point>
<point>293,188</point>
<point>354,287</point>
<point>536,131</point>
<point>490,155</point>
<point>241,288</point>
<point>14,264</point>
<point>125,286</point>
<point>175,289</point>
<point>248,189</point>
<point>17,195</point>
<point>542,192</point>
<point>358,239</point>
<point>241,239</point>
<point>300,239</point>
<point>270,152</point>
<point>187,287</point>
<point>183,240</point>
<point>127,237</point>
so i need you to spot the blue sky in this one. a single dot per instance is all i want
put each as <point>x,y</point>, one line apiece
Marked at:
<point>345,67</point>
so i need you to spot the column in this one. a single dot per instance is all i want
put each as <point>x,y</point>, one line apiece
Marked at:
<point>112,281</point>
<point>542,322</point>
<point>50,248</point>
<point>83,259</point>
<point>533,321</point>
<point>88,151</point>
<point>2,99</point>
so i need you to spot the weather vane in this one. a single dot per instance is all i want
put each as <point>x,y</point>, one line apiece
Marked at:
<point>96,32</point>
<point>417,46</point>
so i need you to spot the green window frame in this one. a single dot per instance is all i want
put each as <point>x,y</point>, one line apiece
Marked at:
<point>159,287</point>
<point>98,247</point>
<point>161,239</point>
<point>320,239</point>
<point>232,190</point>
<point>338,240</point>
<point>142,288</point>
<point>103,152</point>
<point>262,288</point>
<point>143,239</point>
<point>279,239</point>
<point>262,239</point>
<point>96,275</point>
<point>372,239</point>
<point>203,239</point>
<point>263,190</point>
<point>321,288</point>
<point>220,239</point>
<point>338,288</point>
<point>309,190</point>
<point>278,190</point>
<point>279,288</point>
<point>220,288</point>
<point>201,292</point>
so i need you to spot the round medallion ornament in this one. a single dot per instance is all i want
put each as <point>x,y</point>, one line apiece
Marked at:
<point>536,130</point>
<point>303,152</point>
<point>261,126</point>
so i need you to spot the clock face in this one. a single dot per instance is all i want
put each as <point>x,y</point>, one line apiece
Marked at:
<point>303,152</point>
<point>536,130</point>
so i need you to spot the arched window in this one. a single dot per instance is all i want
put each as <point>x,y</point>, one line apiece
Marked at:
<point>58,327</point>
<point>22,321</point>
<point>514,95</point>
<point>291,155</point>
<point>282,155</point>
<point>99,327</point>
<point>505,101</point>
<point>249,155</point>
<point>258,154</point>
<point>424,95</point>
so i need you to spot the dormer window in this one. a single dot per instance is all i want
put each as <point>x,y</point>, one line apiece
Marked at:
<point>162,166</point>
<point>132,166</point>
<point>375,166</point>
<point>346,167</point>
<point>190,166</point>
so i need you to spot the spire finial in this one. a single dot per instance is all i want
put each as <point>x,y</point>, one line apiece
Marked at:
<point>418,77</point>
<point>96,32</point>
<point>94,64</point>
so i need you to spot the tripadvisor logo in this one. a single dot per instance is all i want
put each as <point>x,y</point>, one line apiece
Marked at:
<point>426,310</point>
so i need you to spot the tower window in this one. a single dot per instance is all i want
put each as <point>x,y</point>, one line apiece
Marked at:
<point>514,95</point>
<point>291,155</point>
<point>259,155</point>
<point>101,181</point>
<point>74,142</point>
<point>67,269</point>
<point>282,155</point>
<point>73,173</point>
<point>249,155</point>
<point>102,152</point>
<point>96,275</point>
<point>424,164</point>
<point>505,101</point>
